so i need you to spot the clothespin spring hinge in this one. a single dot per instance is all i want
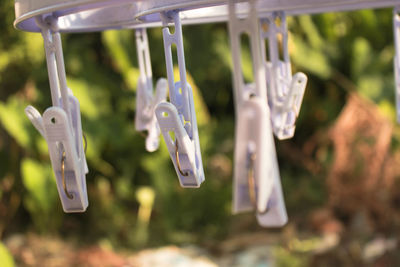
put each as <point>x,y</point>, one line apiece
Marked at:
<point>177,160</point>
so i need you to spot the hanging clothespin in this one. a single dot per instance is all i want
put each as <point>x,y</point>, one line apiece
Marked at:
<point>257,183</point>
<point>396,26</point>
<point>177,120</point>
<point>61,125</point>
<point>257,179</point>
<point>285,91</point>
<point>146,100</point>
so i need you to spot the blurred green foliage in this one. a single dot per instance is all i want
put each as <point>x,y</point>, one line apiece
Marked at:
<point>5,257</point>
<point>340,52</point>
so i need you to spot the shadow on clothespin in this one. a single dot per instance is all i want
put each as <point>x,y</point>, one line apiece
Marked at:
<point>285,91</point>
<point>61,125</point>
<point>146,99</point>
<point>396,27</point>
<point>257,183</point>
<point>177,120</point>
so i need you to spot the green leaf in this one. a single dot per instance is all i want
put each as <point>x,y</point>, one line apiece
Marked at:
<point>312,60</point>
<point>41,200</point>
<point>118,44</point>
<point>14,120</point>
<point>361,57</point>
<point>371,86</point>
<point>6,258</point>
<point>38,180</point>
<point>92,99</point>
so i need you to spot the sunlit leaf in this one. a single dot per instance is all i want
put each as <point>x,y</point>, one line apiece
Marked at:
<point>14,120</point>
<point>6,258</point>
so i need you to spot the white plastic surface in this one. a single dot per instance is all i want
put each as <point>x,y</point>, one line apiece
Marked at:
<point>146,99</point>
<point>149,10</point>
<point>177,139</point>
<point>60,137</point>
<point>252,155</point>
<point>72,15</point>
<point>285,92</point>
<point>181,119</point>
<point>97,15</point>
<point>254,137</point>
<point>254,142</point>
<point>249,26</point>
<point>61,124</point>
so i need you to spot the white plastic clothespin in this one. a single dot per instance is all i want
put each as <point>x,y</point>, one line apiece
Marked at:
<point>257,178</point>
<point>257,183</point>
<point>177,120</point>
<point>396,26</point>
<point>146,100</point>
<point>285,92</point>
<point>61,125</point>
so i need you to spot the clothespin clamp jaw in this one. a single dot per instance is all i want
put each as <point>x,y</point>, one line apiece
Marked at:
<point>256,172</point>
<point>146,99</point>
<point>61,125</point>
<point>177,120</point>
<point>396,27</point>
<point>285,91</point>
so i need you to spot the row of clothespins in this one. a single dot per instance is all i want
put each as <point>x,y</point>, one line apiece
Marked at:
<point>270,105</point>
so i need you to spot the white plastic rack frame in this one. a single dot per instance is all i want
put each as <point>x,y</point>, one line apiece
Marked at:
<point>275,96</point>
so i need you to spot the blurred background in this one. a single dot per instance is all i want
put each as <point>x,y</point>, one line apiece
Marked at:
<point>340,172</point>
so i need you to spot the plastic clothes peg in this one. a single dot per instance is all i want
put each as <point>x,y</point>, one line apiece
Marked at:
<point>61,125</point>
<point>396,26</point>
<point>256,172</point>
<point>257,180</point>
<point>146,100</point>
<point>178,118</point>
<point>285,91</point>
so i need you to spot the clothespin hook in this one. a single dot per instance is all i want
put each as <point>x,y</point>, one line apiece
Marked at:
<point>63,177</point>
<point>177,160</point>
